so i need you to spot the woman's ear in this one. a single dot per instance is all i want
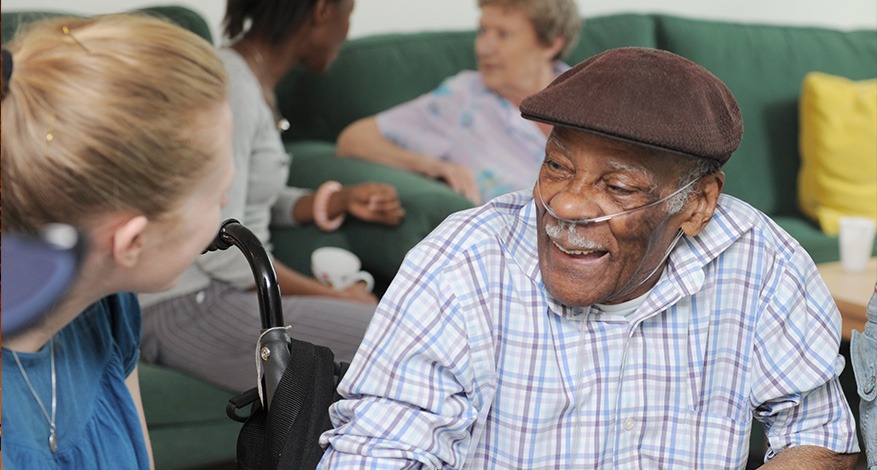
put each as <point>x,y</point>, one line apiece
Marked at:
<point>128,241</point>
<point>701,209</point>
<point>553,49</point>
<point>322,11</point>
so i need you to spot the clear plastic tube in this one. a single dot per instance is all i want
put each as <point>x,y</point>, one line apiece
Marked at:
<point>603,218</point>
<point>586,221</point>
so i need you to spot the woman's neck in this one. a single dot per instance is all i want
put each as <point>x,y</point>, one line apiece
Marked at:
<point>85,290</point>
<point>36,336</point>
<point>269,63</point>
<point>539,81</point>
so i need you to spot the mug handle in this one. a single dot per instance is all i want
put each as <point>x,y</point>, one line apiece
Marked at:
<point>363,276</point>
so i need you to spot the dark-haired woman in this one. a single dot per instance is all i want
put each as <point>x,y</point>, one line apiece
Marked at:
<point>208,324</point>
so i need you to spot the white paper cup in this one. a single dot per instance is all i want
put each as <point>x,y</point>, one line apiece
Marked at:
<point>339,268</point>
<point>856,239</point>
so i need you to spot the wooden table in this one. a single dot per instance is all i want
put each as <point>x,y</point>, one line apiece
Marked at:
<point>851,292</point>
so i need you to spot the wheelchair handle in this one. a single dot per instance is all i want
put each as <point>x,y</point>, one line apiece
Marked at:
<point>233,233</point>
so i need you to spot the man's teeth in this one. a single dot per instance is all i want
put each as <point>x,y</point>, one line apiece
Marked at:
<point>574,252</point>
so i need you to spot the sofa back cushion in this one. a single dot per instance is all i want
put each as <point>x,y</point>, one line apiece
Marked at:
<point>602,33</point>
<point>371,74</point>
<point>377,72</point>
<point>182,16</point>
<point>764,66</point>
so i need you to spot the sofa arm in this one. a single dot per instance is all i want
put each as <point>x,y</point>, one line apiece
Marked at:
<point>381,248</point>
<point>186,418</point>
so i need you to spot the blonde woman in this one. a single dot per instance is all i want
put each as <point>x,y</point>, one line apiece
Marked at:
<point>119,126</point>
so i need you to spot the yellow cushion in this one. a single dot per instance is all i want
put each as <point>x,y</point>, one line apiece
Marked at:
<point>838,143</point>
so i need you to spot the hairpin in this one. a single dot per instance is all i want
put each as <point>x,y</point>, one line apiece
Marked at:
<point>49,136</point>
<point>67,33</point>
<point>7,70</point>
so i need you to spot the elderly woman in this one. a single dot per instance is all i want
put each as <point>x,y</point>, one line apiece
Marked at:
<point>468,132</point>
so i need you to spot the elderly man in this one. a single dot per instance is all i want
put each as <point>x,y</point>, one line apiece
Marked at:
<point>625,314</point>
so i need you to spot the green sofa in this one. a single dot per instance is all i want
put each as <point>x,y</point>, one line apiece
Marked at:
<point>762,64</point>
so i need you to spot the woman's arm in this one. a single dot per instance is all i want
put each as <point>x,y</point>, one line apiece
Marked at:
<point>371,202</point>
<point>363,139</point>
<point>133,384</point>
<point>294,283</point>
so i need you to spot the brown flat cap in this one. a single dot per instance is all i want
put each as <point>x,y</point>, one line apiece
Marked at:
<point>644,96</point>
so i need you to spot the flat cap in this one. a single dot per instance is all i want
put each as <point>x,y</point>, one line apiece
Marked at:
<point>645,96</point>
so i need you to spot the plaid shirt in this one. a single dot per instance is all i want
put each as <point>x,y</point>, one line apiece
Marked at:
<point>470,362</point>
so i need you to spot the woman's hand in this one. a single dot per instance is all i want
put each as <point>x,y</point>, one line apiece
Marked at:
<point>374,202</point>
<point>357,293</point>
<point>458,177</point>
<point>294,283</point>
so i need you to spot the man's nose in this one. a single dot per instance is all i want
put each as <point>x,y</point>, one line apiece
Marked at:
<point>485,44</point>
<point>575,203</point>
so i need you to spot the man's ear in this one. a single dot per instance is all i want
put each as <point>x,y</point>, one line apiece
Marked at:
<point>128,241</point>
<point>700,210</point>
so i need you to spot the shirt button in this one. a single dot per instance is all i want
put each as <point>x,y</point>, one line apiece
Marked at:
<point>628,424</point>
<point>870,384</point>
<point>199,297</point>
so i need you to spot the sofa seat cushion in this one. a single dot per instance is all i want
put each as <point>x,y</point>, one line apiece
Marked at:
<point>186,418</point>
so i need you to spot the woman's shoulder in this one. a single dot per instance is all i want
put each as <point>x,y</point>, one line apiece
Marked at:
<point>109,326</point>
<point>465,81</point>
<point>244,91</point>
<point>234,63</point>
<point>240,77</point>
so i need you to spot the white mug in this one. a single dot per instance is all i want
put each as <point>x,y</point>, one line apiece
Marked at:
<point>856,239</point>
<point>339,268</point>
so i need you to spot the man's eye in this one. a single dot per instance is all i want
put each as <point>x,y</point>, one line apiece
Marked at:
<point>619,190</point>
<point>553,165</point>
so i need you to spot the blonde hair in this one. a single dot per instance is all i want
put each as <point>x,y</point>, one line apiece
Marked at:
<point>104,114</point>
<point>551,19</point>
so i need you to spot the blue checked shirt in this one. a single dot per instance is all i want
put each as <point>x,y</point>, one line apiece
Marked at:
<point>470,363</point>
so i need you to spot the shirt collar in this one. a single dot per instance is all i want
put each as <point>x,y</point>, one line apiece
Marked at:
<point>686,269</point>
